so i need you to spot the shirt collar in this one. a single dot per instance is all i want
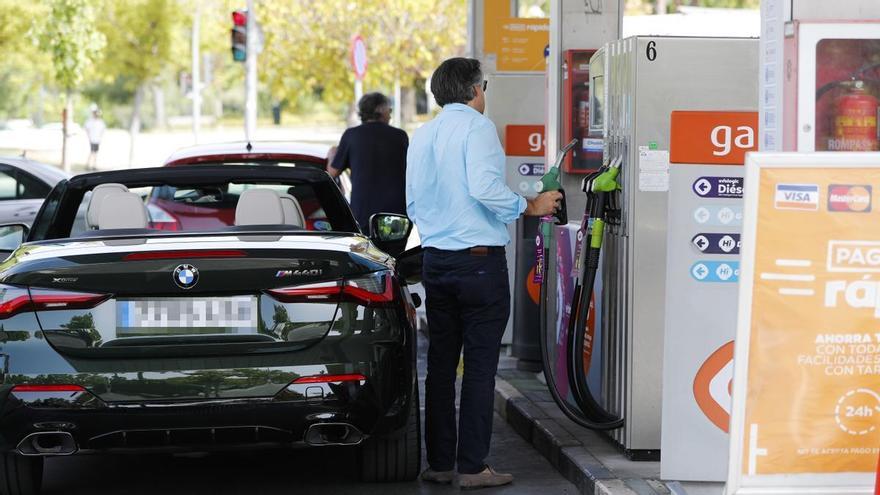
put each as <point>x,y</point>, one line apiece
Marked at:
<point>458,107</point>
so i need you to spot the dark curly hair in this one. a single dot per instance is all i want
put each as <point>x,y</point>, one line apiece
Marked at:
<point>370,104</point>
<point>454,80</point>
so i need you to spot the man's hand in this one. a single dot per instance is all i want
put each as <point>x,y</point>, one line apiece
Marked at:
<point>546,203</point>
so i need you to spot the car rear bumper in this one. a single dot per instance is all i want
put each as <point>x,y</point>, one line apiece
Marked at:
<point>206,424</point>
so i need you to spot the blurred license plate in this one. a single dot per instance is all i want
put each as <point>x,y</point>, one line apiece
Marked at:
<point>187,315</point>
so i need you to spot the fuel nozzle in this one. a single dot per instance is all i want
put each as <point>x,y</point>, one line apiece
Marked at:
<point>551,181</point>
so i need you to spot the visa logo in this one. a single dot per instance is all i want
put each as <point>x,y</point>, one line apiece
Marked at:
<point>797,197</point>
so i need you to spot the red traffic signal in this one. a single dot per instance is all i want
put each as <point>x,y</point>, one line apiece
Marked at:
<point>239,17</point>
<point>239,35</point>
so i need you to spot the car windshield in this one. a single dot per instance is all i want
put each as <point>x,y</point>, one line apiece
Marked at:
<point>232,205</point>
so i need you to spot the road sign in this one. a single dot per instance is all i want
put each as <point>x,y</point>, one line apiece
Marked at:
<point>359,57</point>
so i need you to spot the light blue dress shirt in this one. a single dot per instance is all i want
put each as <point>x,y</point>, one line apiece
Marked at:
<point>455,189</point>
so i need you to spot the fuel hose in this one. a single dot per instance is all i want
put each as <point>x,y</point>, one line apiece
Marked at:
<point>589,413</point>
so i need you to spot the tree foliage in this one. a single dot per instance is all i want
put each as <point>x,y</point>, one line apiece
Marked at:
<point>69,35</point>
<point>144,37</point>
<point>307,43</point>
<point>23,67</point>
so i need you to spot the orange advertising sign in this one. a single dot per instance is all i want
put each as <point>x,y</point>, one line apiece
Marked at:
<point>524,140</point>
<point>712,138</point>
<point>808,346</point>
<point>518,43</point>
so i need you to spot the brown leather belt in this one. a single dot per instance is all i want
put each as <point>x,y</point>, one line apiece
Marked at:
<point>473,251</point>
<point>484,250</point>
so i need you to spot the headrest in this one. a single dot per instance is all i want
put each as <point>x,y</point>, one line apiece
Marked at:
<point>98,194</point>
<point>293,214</point>
<point>122,210</point>
<point>259,207</point>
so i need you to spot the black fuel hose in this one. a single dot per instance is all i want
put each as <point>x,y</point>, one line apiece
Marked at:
<point>577,326</point>
<point>591,414</point>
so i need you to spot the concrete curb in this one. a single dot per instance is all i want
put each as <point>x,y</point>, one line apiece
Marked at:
<point>558,446</point>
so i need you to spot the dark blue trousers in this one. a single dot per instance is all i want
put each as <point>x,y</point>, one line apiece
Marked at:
<point>468,304</point>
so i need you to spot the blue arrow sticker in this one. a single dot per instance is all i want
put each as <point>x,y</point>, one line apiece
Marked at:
<point>719,215</point>
<point>531,169</point>
<point>715,271</point>
<point>711,243</point>
<point>719,187</point>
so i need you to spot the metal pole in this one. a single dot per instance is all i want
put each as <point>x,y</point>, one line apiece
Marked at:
<point>250,102</point>
<point>398,104</point>
<point>196,75</point>
<point>358,90</point>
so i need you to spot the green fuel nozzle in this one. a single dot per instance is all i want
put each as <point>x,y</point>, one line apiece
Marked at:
<point>606,181</point>
<point>550,181</point>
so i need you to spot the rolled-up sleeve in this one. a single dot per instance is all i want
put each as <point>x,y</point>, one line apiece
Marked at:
<point>484,163</point>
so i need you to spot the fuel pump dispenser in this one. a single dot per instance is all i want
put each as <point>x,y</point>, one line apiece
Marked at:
<point>638,83</point>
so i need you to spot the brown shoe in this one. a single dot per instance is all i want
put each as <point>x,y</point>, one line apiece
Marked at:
<point>485,479</point>
<point>442,477</point>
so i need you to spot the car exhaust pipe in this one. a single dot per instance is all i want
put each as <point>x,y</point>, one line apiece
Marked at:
<point>322,434</point>
<point>46,443</point>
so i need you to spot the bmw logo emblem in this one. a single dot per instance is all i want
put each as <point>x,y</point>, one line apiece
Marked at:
<point>186,276</point>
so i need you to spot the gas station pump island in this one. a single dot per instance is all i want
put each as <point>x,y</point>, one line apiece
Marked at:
<point>631,300</point>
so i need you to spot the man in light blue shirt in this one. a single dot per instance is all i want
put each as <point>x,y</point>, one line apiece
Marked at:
<point>457,197</point>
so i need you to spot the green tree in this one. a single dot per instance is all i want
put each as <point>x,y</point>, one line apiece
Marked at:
<point>69,35</point>
<point>23,67</point>
<point>307,43</point>
<point>144,38</point>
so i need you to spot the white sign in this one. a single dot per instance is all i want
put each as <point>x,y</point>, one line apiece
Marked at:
<point>359,57</point>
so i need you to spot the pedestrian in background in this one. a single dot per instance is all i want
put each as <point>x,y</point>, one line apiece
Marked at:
<point>458,199</point>
<point>95,128</point>
<point>375,152</point>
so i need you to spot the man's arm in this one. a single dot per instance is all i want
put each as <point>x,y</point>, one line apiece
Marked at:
<point>340,160</point>
<point>485,164</point>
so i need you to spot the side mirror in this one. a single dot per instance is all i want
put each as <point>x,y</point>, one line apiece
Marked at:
<point>11,236</point>
<point>390,231</point>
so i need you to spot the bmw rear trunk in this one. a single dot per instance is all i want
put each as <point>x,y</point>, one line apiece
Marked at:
<point>199,342</point>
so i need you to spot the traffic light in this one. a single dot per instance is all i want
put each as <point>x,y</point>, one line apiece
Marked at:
<point>239,35</point>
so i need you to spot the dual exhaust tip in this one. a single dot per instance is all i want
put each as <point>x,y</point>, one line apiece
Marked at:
<point>47,443</point>
<point>325,434</point>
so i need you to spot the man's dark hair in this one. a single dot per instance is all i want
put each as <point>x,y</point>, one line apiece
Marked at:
<point>369,105</point>
<point>454,80</point>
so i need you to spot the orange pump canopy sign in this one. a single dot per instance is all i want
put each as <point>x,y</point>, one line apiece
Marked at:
<point>806,410</point>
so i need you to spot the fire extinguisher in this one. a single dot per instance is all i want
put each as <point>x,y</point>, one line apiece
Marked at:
<point>855,119</point>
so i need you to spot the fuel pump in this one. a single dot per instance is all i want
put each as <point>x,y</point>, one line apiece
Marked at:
<point>599,187</point>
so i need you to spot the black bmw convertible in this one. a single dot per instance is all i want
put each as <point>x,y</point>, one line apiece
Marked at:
<point>284,327</point>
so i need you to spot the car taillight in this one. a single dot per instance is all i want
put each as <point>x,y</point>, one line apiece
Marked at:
<point>351,377</point>
<point>28,388</point>
<point>15,300</point>
<point>161,219</point>
<point>185,253</point>
<point>373,289</point>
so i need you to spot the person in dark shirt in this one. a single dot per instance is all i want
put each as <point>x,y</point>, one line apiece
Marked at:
<point>376,154</point>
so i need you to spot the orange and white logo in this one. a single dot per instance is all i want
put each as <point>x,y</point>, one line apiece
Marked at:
<point>713,386</point>
<point>712,138</point>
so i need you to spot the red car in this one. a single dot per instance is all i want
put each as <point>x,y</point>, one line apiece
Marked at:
<point>175,209</point>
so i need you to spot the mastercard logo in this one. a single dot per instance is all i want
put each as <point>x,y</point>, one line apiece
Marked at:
<point>849,198</point>
<point>713,386</point>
